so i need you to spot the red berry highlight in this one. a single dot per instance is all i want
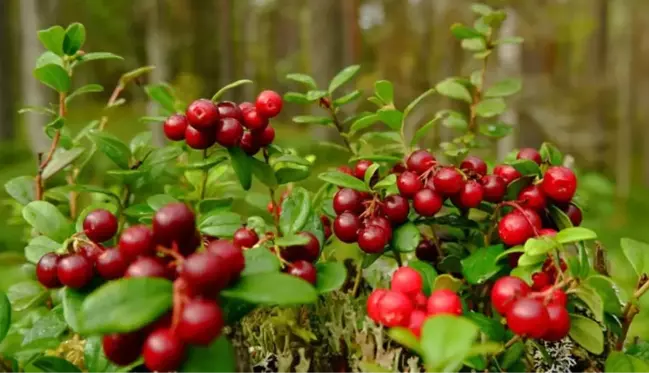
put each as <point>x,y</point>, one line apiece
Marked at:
<point>202,114</point>
<point>559,183</point>
<point>269,104</point>
<point>100,225</point>
<point>407,281</point>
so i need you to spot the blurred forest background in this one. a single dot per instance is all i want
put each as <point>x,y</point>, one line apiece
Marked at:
<point>584,63</point>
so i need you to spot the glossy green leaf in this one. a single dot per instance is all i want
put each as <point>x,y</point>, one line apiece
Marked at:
<point>285,175</point>
<point>52,39</point>
<point>263,172</point>
<point>272,289</point>
<point>343,77</point>
<point>348,98</point>
<point>54,364</point>
<point>406,338</point>
<point>550,154</point>
<point>592,299</point>
<point>296,98</point>
<point>446,341</point>
<point>113,148</point>
<point>260,260</point>
<point>48,220</point>
<point>94,358</point>
<point>72,300</point>
<point>575,234</point>
<point>53,76</point>
<point>608,292</point>
<point>539,246</point>
<point>242,166</point>
<point>504,88</point>
<point>364,122</point>
<point>526,167</point>
<point>330,276</point>
<point>391,117</point>
<point>24,295</point>
<point>343,180</point>
<point>88,88</point>
<point>219,224</point>
<point>311,119</point>
<point>290,158</point>
<point>295,211</point>
<point>302,78</point>
<point>314,226</point>
<point>405,238</point>
<point>74,38</point>
<point>61,159</point>
<point>384,91</point>
<point>587,333</point>
<point>453,89</point>
<point>51,325</point>
<point>22,189</point>
<point>496,130</point>
<point>482,264</point>
<point>427,272</point>
<point>5,315</point>
<point>159,201</point>
<point>475,45</point>
<point>490,107</point>
<point>219,356</point>
<point>386,182</point>
<point>622,363</point>
<point>94,56</point>
<point>316,95</point>
<point>291,240</point>
<point>490,327</point>
<point>530,260</point>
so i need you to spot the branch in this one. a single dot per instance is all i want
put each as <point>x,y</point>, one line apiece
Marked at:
<point>271,192</point>
<point>339,126</point>
<point>630,310</point>
<point>50,153</point>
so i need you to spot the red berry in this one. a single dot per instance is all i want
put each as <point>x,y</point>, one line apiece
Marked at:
<point>427,202</point>
<point>540,280</point>
<point>202,114</point>
<point>531,216</point>
<point>229,133</point>
<point>304,270</point>
<point>474,165</point>
<point>494,188</point>
<point>91,251</point>
<point>407,281</point>
<point>147,266</point>
<point>448,181</point>
<point>309,252</point>
<point>383,223</point>
<point>46,270</point>
<point>532,196</point>
<point>507,173</point>
<point>398,168</point>
<point>265,137</point>
<point>409,184</point>
<point>396,208</point>
<point>175,126</point>
<point>163,351</point>
<point>394,309</point>
<point>245,238</point>
<point>111,264</point>
<point>200,323</point>
<point>514,229</point>
<point>200,140</point>
<point>100,225</point>
<point>230,255</point>
<point>174,222</point>
<point>420,161</point>
<point>74,271</point>
<point>421,301</point>
<point>416,321</point>
<point>270,207</point>
<point>122,349</point>
<point>372,239</point>
<point>346,227</point>
<point>205,272</point>
<point>248,144</point>
<point>326,224</point>
<point>558,323</point>
<point>547,232</point>
<point>426,251</point>
<point>136,241</point>
<point>444,302</point>
<point>559,183</point>
<point>228,109</point>
<point>528,317</point>
<point>470,196</point>
<point>373,304</point>
<point>346,170</point>
<point>347,199</point>
<point>531,154</point>
<point>361,167</point>
<point>245,106</point>
<point>269,104</point>
<point>574,214</point>
<point>189,245</point>
<point>505,291</point>
<point>559,297</point>
<point>254,121</point>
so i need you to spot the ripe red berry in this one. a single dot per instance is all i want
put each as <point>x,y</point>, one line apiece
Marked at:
<point>394,309</point>
<point>559,183</point>
<point>559,323</point>
<point>540,280</point>
<point>175,126</point>
<point>46,270</point>
<point>409,184</point>
<point>136,241</point>
<point>494,188</point>
<point>532,196</point>
<point>345,170</point>
<point>396,208</point>
<point>91,251</point>
<point>547,232</point>
<point>427,202</point>
<point>230,255</point>
<point>270,207</point>
<point>74,271</point>
<point>506,290</point>
<point>507,173</point>
<point>174,222</point>
<point>205,272</point>
<point>531,154</point>
<point>200,140</point>
<point>122,349</point>
<point>444,302</point>
<point>229,133</point>
<point>528,317</point>
<point>421,301</point>
<point>514,229</point>
<point>248,143</point>
<point>470,196</point>
<point>417,318</point>
<point>100,225</point>
<point>304,270</point>
<point>381,222</point>
<point>265,137</point>
<point>309,251</point>
<point>361,167</point>
<point>474,165</point>
<point>147,266</point>
<point>200,323</point>
<point>372,239</point>
<point>245,238</point>
<point>190,244</point>
<point>407,281</point>
<point>373,304</point>
<point>574,214</point>
<point>347,199</point>
<point>163,351</point>
<point>245,106</point>
<point>420,161</point>
<point>448,181</point>
<point>228,109</point>
<point>346,227</point>
<point>269,104</point>
<point>426,251</point>
<point>202,114</point>
<point>253,120</point>
<point>398,168</point>
<point>532,217</point>
<point>111,264</point>
<point>559,297</point>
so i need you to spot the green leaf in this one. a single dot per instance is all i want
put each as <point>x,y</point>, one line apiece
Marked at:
<point>311,119</point>
<point>290,158</point>
<point>427,272</point>
<point>405,238</point>
<point>550,154</point>
<point>455,120</point>
<point>48,220</point>
<point>497,130</point>
<point>330,276</point>
<point>93,356</point>
<point>304,79</point>
<point>608,292</point>
<point>315,95</point>
<point>587,333</point>
<point>491,327</point>
<point>263,172</point>
<point>387,182</point>
<point>287,175</point>
<point>75,36</point>
<point>592,299</point>
<point>94,56</point>
<point>384,91</point>
<point>54,364</point>
<point>346,99</point>
<point>61,159</point>
<point>369,174</point>
<point>343,180</point>
<point>219,356</point>
<point>230,86</point>
<point>161,94</point>
<point>125,305</point>
<point>446,341</point>
<point>295,211</point>
<point>72,300</point>
<point>529,260</point>
<point>475,45</point>
<point>296,98</point>
<point>559,217</point>
<point>512,355</point>
<point>220,224</point>
<point>482,264</point>
<point>291,240</point>
<point>53,76</point>
<point>242,166</point>
<point>416,102</point>
<point>490,107</point>
<point>620,362</point>
<point>453,89</point>
<point>406,338</point>
<point>5,315</point>
<point>504,88</point>
<point>158,201</point>
<point>526,167</point>
<point>637,253</point>
<point>260,260</point>
<point>26,294</point>
<point>539,246</point>
<point>461,31</point>
<point>52,325</point>
<point>364,122</point>
<point>21,189</point>
<point>52,39</point>
<point>393,118</point>
<point>314,226</point>
<point>481,9</point>
<point>113,148</point>
<point>343,77</point>
<point>88,88</point>
<point>575,234</point>
<point>272,289</point>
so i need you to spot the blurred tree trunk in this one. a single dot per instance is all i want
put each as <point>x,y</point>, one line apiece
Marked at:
<point>7,95</point>
<point>156,55</point>
<point>250,17</point>
<point>226,55</point>
<point>509,57</point>
<point>352,33</point>
<point>32,92</point>
<point>600,55</point>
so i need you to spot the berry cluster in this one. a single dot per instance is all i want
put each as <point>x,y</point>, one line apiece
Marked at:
<point>226,123</point>
<point>405,304</point>
<point>530,313</point>
<point>299,259</point>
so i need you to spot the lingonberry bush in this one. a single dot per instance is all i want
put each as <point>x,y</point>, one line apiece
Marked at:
<point>455,267</point>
